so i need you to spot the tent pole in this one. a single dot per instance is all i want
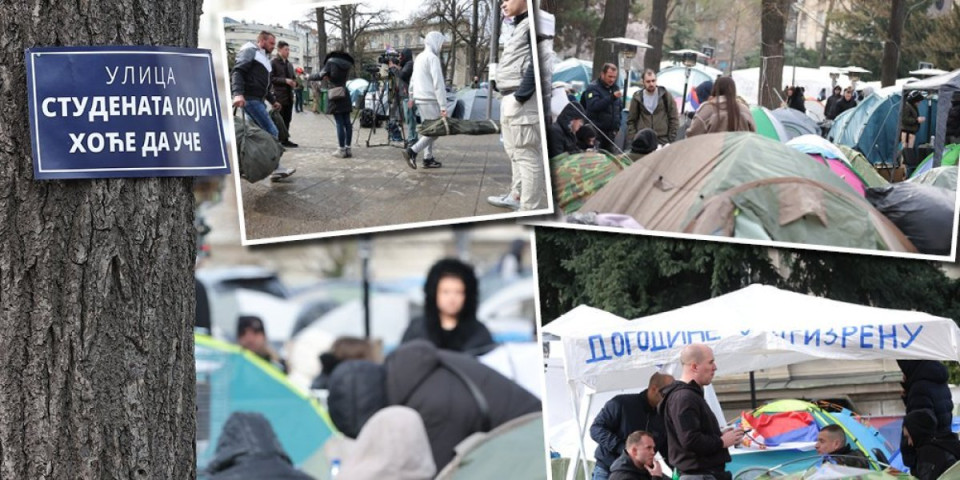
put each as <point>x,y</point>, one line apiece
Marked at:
<point>753,391</point>
<point>581,412</point>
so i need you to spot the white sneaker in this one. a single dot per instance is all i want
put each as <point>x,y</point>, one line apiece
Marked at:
<point>504,201</point>
<point>281,173</point>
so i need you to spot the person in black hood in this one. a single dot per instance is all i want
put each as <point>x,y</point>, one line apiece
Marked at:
<point>562,134</point>
<point>587,138</point>
<point>935,453</point>
<point>336,68</point>
<point>409,107</point>
<point>830,110</point>
<point>450,310</point>
<point>637,461</point>
<point>925,387</point>
<point>697,447</point>
<point>249,448</point>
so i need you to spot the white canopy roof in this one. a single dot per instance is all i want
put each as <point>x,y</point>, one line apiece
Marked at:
<point>754,328</point>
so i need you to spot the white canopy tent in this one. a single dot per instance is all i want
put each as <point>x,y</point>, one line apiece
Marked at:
<point>758,327</point>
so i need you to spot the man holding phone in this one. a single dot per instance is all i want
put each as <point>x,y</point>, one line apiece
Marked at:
<point>698,449</point>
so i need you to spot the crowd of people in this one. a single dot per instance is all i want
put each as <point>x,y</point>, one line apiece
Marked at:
<point>673,418</point>
<point>257,81</point>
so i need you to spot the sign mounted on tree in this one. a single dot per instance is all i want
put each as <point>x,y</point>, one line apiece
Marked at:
<point>103,112</point>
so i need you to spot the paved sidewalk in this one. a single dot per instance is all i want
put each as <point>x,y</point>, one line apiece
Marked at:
<point>374,188</point>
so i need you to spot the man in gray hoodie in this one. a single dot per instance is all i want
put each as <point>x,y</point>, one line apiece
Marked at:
<point>428,91</point>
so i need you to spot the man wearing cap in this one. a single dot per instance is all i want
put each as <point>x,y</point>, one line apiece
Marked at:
<point>252,336</point>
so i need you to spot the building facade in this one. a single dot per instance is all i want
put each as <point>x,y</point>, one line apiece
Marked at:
<point>302,39</point>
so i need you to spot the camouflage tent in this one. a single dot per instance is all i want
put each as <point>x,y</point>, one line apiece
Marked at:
<point>743,185</point>
<point>578,176</point>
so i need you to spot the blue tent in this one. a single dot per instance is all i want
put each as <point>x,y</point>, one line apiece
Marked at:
<point>573,70</point>
<point>873,126</point>
<point>231,379</point>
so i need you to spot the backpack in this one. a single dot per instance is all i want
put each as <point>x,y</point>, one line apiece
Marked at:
<point>257,151</point>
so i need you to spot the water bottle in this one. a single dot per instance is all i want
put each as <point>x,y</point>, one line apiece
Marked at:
<point>334,468</point>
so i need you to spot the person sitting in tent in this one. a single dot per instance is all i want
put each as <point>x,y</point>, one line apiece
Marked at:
<point>845,103</point>
<point>829,112</point>
<point>562,134</point>
<point>391,445</point>
<point>935,453</point>
<point>832,444</point>
<point>644,143</point>
<point>638,461</point>
<point>723,113</point>
<point>587,138</point>
<point>450,310</point>
<point>252,336</point>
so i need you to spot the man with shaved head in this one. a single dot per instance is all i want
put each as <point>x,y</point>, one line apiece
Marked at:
<point>697,447</point>
<point>832,444</point>
<point>623,415</point>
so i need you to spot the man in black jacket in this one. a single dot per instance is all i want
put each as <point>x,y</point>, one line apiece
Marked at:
<point>697,448</point>
<point>638,461</point>
<point>829,111</point>
<point>603,101</point>
<point>621,416</point>
<point>562,134</point>
<point>284,81</point>
<point>935,453</point>
<point>832,444</point>
<point>250,85</point>
<point>925,387</point>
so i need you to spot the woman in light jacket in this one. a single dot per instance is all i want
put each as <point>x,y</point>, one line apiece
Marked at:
<point>723,112</point>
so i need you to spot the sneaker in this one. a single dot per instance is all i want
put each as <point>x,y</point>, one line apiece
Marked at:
<point>289,144</point>
<point>281,173</point>
<point>431,163</point>
<point>411,157</point>
<point>341,153</point>
<point>347,153</point>
<point>504,201</point>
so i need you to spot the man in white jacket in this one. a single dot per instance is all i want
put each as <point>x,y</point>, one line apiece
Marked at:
<point>428,91</point>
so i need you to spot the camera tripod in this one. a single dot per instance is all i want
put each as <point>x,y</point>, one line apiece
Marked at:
<point>391,110</point>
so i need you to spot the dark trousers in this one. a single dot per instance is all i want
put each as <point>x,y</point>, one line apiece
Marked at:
<point>286,111</point>
<point>344,129</point>
<point>606,144</point>
<point>298,102</point>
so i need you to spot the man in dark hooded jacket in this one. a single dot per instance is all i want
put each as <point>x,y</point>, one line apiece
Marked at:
<point>935,453</point>
<point>562,134</point>
<point>450,310</point>
<point>697,447</point>
<point>248,448</point>
<point>925,387</point>
<point>409,108</point>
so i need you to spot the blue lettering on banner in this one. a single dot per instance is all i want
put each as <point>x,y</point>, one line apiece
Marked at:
<point>865,337</point>
<point>103,112</point>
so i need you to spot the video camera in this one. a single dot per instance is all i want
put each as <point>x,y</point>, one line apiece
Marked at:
<point>388,57</point>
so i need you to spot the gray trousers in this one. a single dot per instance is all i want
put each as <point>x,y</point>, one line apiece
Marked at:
<point>429,110</point>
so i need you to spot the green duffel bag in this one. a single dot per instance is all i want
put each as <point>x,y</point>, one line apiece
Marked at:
<point>259,152</point>
<point>452,126</point>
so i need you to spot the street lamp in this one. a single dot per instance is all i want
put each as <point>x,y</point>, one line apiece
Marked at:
<point>627,50</point>
<point>689,60</point>
<point>853,73</point>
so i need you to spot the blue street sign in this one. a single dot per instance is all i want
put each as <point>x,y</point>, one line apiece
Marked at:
<point>101,112</point>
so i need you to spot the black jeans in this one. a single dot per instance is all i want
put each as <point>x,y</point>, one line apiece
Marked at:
<point>344,129</point>
<point>286,111</point>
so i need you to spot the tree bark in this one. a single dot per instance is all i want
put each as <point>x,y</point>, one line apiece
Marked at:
<point>655,35</point>
<point>472,45</point>
<point>614,24</point>
<point>891,49</point>
<point>321,36</point>
<point>97,377</point>
<point>773,25</point>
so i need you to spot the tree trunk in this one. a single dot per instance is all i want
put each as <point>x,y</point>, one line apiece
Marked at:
<point>891,49</point>
<point>614,24</point>
<point>655,35</point>
<point>472,47</point>
<point>96,336</point>
<point>823,39</point>
<point>321,36</point>
<point>773,25</point>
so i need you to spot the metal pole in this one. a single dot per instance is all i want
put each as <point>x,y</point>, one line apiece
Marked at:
<point>683,100</point>
<point>365,250</point>
<point>753,391</point>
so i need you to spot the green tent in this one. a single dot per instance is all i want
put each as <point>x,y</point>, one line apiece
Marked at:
<point>743,185</point>
<point>863,167</point>
<point>951,153</point>
<point>768,125</point>
<point>945,177</point>
<point>512,450</point>
<point>576,177</point>
<point>231,379</point>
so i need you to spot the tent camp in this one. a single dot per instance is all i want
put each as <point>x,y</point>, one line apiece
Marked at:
<point>578,176</point>
<point>944,85</point>
<point>829,155</point>
<point>742,185</point>
<point>950,156</point>
<point>602,353</point>
<point>944,177</point>
<point>796,123</point>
